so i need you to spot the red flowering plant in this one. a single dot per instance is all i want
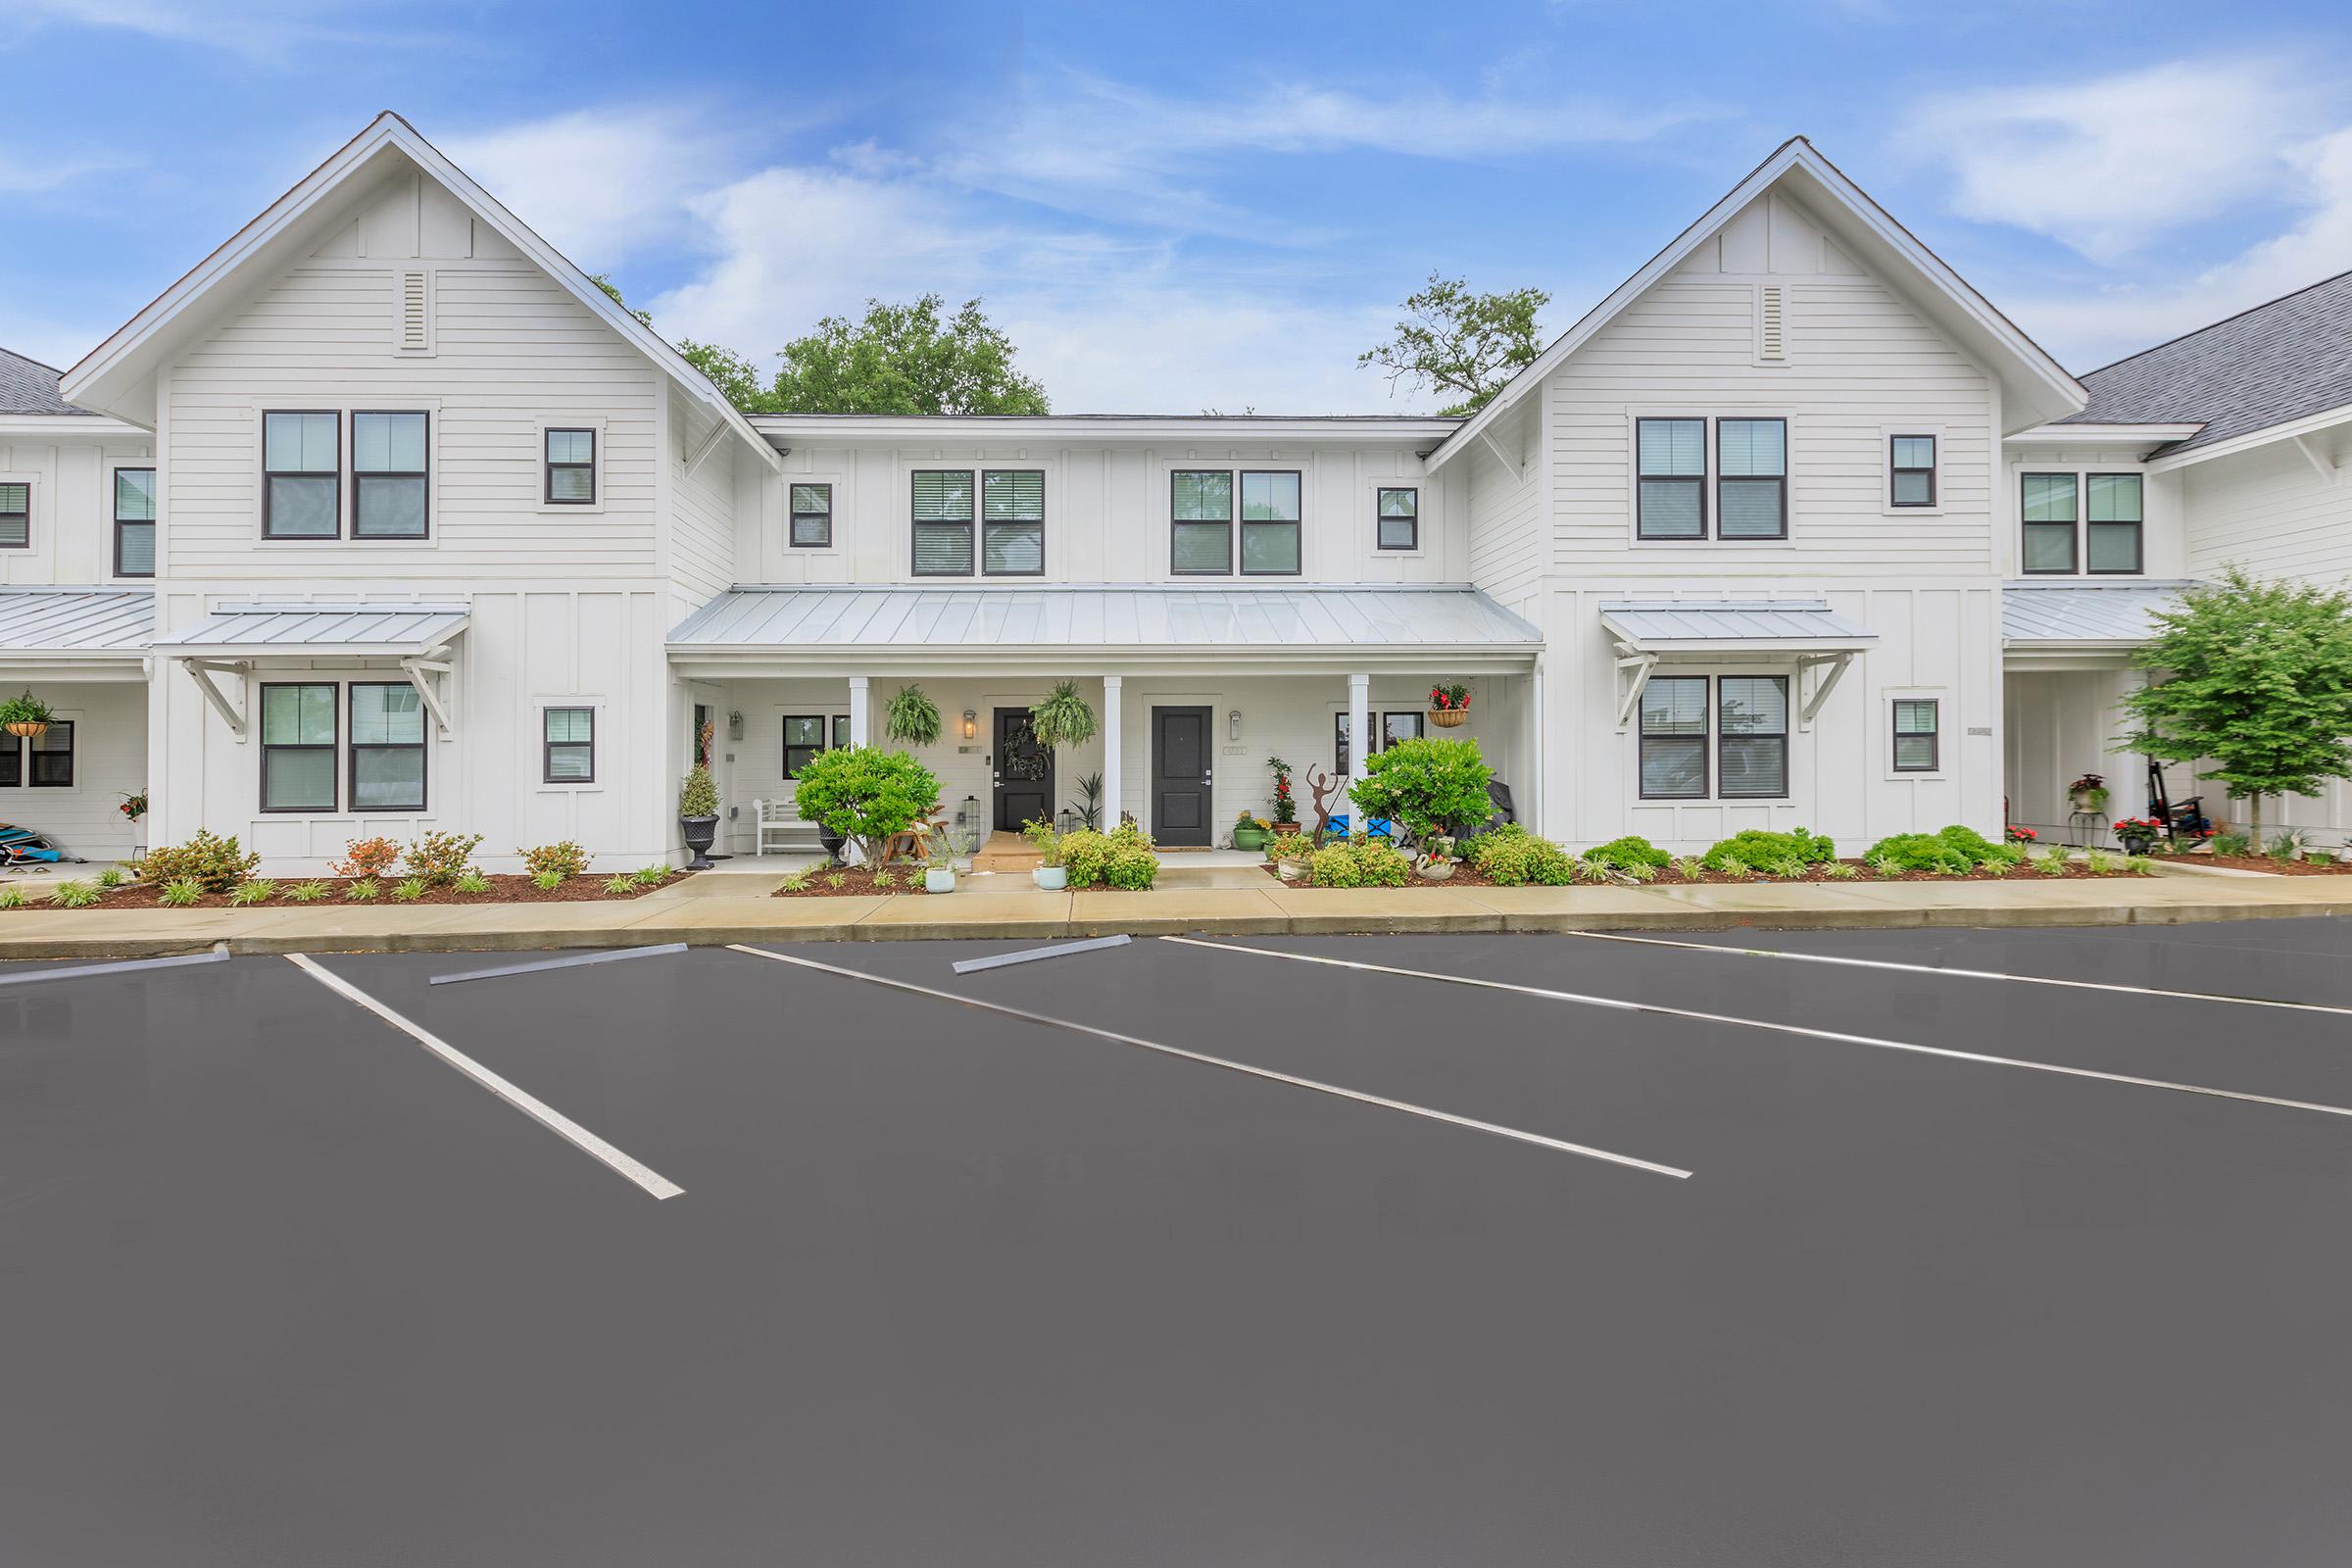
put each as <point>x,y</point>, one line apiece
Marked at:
<point>2137,827</point>
<point>2022,835</point>
<point>1286,809</point>
<point>1456,694</point>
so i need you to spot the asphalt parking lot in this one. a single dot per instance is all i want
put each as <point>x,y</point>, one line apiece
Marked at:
<point>1377,1285</point>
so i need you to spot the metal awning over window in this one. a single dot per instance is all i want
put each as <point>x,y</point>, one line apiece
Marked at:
<point>1820,641</point>
<point>237,639</point>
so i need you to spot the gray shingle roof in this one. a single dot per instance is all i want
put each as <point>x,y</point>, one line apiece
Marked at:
<point>28,386</point>
<point>2264,367</point>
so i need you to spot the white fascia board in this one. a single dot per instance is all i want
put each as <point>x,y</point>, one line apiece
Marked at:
<point>2309,424</point>
<point>1734,646</point>
<point>2096,434</point>
<point>1849,199</point>
<point>65,427</point>
<point>789,429</point>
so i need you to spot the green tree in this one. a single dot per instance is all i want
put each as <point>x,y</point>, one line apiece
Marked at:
<point>735,376</point>
<point>603,280</point>
<point>1430,786</point>
<point>904,359</point>
<point>2255,678</point>
<point>1465,345</point>
<point>866,795</point>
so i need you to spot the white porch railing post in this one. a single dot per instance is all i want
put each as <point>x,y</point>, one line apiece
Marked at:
<point>1360,736</point>
<point>858,685</point>
<point>1113,698</point>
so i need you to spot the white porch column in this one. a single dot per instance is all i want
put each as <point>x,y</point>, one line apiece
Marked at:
<point>1113,698</point>
<point>1360,736</point>
<point>1531,809</point>
<point>858,685</point>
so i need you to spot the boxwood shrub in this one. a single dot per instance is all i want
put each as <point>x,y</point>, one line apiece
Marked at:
<point>1511,856</point>
<point>1358,863</point>
<point>1628,853</point>
<point>1756,850</point>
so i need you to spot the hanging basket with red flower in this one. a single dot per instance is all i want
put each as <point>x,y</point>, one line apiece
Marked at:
<point>1448,705</point>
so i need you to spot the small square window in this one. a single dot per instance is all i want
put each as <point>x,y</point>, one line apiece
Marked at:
<point>1916,737</point>
<point>1399,509</point>
<point>568,744</point>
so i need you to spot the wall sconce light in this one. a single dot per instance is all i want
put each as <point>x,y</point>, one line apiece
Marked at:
<point>971,723</point>
<point>1233,725</point>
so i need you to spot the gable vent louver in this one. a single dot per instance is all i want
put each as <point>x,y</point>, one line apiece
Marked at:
<point>416,311</point>
<point>1772,343</point>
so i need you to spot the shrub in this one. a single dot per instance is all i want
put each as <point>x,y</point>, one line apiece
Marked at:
<point>74,894</point>
<point>180,892</point>
<point>1589,870</point>
<point>566,859</point>
<point>12,897</point>
<point>1083,855</point>
<point>257,889</point>
<point>409,889</point>
<point>1922,852</point>
<point>1124,858</point>
<point>1430,786</point>
<point>623,883</point>
<point>306,892</point>
<point>1756,850</point>
<point>547,881</point>
<point>1133,867</point>
<point>110,878</point>
<point>472,881</point>
<point>1981,850</point>
<point>651,876</point>
<point>215,865</point>
<point>1511,856</point>
<point>363,890</point>
<point>1358,863</point>
<point>368,857</point>
<point>441,858</point>
<point>1292,847</point>
<point>1629,852</point>
<point>865,794</point>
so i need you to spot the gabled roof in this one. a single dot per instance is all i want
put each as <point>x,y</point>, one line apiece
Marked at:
<point>2264,367</point>
<point>28,386</point>
<point>2035,387</point>
<point>118,376</point>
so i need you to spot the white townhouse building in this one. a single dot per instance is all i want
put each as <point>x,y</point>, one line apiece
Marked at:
<point>386,518</point>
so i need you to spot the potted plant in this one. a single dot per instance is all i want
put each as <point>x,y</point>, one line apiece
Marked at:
<point>1251,832</point>
<point>25,716</point>
<point>910,716</point>
<point>2089,793</point>
<point>1090,802</point>
<point>1063,719</point>
<point>1290,853</point>
<point>698,815</point>
<point>2022,835</point>
<point>1050,873</point>
<point>1448,705</point>
<point>2138,833</point>
<point>1439,863</point>
<point>1286,807</point>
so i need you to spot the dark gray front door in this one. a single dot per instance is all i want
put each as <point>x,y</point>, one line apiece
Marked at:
<point>1180,776</point>
<point>1025,772</point>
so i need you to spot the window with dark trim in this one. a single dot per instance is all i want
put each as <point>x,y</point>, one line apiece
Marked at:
<point>388,471</point>
<point>1200,541</point>
<point>1751,478</point>
<point>1406,726</point>
<point>302,474</point>
<point>812,516</point>
<point>1916,737</point>
<point>1013,522</point>
<point>942,522</point>
<point>134,522</point>
<point>298,747</point>
<point>568,456</point>
<point>387,747</point>
<point>841,730</point>
<point>2046,515</point>
<point>15,516</point>
<point>1672,750</point>
<point>1270,522</point>
<point>803,738</point>
<point>52,753</point>
<point>12,762</point>
<point>1398,510</point>
<point>1393,727</point>
<point>1911,471</point>
<point>1669,479</point>
<point>2111,524</point>
<point>1751,737</point>
<point>568,745</point>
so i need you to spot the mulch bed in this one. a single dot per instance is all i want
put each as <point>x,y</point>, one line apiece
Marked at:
<point>588,889</point>
<point>1464,876</point>
<point>2263,863</point>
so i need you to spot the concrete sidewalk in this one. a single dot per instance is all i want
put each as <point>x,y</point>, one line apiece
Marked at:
<point>713,909</point>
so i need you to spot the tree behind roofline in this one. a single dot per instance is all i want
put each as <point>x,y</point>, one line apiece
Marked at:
<point>2255,677</point>
<point>1465,345</point>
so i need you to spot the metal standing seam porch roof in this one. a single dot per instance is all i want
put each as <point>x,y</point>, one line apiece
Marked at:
<point>1139,618</point>
<point>2076,615</point>
<point>302,630</point>
<point>79,623</point>
<point>1760,625</point>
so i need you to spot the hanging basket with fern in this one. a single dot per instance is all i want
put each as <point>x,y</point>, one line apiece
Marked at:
<point>25,716</point>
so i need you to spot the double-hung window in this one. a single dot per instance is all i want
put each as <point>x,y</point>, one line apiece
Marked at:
<point>1671,479</point>
<point>569,458</point>
<point>1751,478</point>
<point>52,753</point>
<point>1202,504</point>
<point>1911,471</point>
<point>1013,522</point>
<point>16,515</point>
<point>804,739</point>
<point>1399,510</point>
<point>298,747</point>
<point>942,522</point>
<point>1673,746</point>
<point>388,466</point>
<point>1918,740</point>
<point>568,745</point>
<point>812,516</point>
<point>2046,511</point>
<point>134,522</point>
<point>302,475</point>
<point>387,747</point>
<point>2111,524</point>
<point>1751,741</point>
<point>1393,727</point>
<point>1270,520</point>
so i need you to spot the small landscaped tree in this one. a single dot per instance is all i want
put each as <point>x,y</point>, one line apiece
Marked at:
<point>2255,678</point>
<point>866,795</point>
<point>1430,786</point>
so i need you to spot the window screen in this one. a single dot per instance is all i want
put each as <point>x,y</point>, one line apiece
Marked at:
<point>570,469</point>
<point>2046,509</point>
<point>1270,519</point>
<point>569,740</point>
<point>15,516</point>
<point>812,516</point>
<point>387,475</point>
<point>51,755</point>
<point>803,738</point>
<point>1911,471</point>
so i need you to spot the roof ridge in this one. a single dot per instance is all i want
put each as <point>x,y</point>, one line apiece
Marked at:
<point>2195,331</point>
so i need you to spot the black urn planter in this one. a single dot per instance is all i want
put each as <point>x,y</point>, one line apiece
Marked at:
<point>2138,843</point>
<point>831,842</point>
<point>699,831</point>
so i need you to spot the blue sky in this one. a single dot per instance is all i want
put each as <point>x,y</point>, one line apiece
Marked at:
<point>1208,206</point>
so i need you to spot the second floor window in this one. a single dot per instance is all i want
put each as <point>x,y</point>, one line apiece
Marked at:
<point>2046,511</point>
<point>1203,511</point>
<point>1399,509</point>
<point>1751,478</point>
<point>15,516</point>
<point>2111,522</point>
<point>1202,500</point>
<point>134,522</point>
<point>570,464</point>
<point>1012,523</point>
<point>812,516</point>
<point>942,522</point>
<point>388,476</point>
<point>1270,524</point>
<point>1911,471</point>
<point>1670,457</point>
<point>302,483</point>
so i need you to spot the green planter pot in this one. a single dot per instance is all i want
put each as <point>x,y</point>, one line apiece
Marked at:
<point>1250,838</point>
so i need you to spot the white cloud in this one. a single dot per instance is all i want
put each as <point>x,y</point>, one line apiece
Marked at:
<point>598,183</point>
<point>270,30</point>
<point>2106,164</point>
<point>32,175</point>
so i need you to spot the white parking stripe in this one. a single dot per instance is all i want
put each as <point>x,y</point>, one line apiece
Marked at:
<point>1294,1082</point>
<point>1581,999</point>
<point>645,1176</point>
<point>1723,950</point>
